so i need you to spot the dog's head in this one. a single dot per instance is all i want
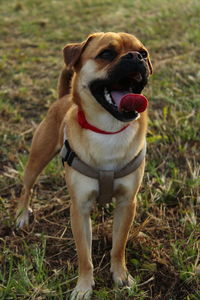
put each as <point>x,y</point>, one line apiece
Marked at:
<point>108,66</point>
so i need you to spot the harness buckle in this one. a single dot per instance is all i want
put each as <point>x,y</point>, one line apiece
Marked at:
<point>67,154</point>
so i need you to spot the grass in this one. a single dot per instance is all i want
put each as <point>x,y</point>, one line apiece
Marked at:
<point>163,249</point>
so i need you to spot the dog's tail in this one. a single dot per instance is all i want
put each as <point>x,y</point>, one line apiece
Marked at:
<point>64,82</point>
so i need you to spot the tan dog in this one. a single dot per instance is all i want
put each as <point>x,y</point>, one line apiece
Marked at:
<point>104,69</point>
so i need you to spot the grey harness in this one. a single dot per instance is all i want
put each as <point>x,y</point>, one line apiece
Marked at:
<point>105,178</point>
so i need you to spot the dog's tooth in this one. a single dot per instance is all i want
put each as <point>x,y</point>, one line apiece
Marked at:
<point>105,92</point>
<point>131,89</point>
<point>107,96</point>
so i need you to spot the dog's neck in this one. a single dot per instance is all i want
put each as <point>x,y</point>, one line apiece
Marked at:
<point>86,125</point>
<point>98,117</point>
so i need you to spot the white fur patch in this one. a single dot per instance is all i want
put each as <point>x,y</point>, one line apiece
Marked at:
<point>90,72</point>
<point>84,189</point>
<point>110,151</point>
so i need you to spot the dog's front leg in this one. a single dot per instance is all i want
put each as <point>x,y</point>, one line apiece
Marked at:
<point>81,228</point>
<point>81,204</point>
<point>123,218</point>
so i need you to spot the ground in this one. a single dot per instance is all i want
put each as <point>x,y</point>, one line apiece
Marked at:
<point>163,249</point>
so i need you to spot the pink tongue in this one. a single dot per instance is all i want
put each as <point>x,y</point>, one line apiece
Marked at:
<point>129,102</point>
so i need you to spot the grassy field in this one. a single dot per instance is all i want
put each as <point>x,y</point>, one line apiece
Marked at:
<point>163,250</point>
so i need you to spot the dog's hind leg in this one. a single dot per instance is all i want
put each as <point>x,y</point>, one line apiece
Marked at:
<point>46,143</point>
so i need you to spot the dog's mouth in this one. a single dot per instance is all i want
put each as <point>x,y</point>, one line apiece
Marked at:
<point>122,97</point>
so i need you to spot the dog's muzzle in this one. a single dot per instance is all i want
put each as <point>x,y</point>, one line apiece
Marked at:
<point>129,75</point>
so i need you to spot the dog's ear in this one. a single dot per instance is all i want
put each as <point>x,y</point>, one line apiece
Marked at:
<point>72,52</point>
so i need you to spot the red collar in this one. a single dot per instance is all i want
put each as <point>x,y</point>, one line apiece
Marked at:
<point>84,124</point>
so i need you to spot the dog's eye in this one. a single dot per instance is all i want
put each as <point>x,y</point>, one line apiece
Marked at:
<point>108,54</point>
<point>144,53</point>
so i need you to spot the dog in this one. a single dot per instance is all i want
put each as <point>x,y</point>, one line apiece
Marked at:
<point>100,123</point>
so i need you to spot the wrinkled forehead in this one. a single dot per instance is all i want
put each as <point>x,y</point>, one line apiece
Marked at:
<point>121,42</point>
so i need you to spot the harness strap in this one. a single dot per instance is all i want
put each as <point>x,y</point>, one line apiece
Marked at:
<point>106,184</point>
<point>105,178</point>
<point>133,164</point>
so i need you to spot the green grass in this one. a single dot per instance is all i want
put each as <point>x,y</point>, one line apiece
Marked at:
<point>163,250</point>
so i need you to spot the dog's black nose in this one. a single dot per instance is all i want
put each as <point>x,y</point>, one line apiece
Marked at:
<point>133,55</point>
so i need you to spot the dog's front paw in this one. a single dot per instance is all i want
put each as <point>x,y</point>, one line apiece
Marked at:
<point>22,217</point>
<point>83,294</point>
<point>82,291</point>
<point>122,278</point>
<point>123,281</point>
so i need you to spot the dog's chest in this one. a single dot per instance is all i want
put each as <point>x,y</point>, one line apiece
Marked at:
<point>104,152</point>
<point>110,152</point>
